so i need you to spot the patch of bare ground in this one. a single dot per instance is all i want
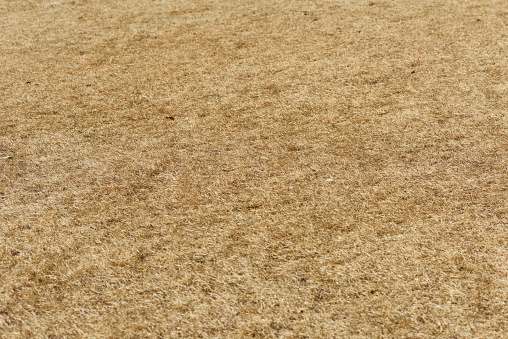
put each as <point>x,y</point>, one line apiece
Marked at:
<point>253,168</point>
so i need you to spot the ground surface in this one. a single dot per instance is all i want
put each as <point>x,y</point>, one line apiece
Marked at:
<point>253,168</point>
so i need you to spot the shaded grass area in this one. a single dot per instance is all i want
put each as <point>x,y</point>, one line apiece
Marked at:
<point>253,168</point>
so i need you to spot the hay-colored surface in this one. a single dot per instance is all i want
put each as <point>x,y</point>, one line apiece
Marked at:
<point>253,168</point>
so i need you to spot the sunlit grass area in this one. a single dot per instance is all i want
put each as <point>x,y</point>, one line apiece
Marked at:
<point>271,169</point>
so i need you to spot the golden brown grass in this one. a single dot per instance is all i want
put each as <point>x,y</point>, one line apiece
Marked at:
<point>224,168</point>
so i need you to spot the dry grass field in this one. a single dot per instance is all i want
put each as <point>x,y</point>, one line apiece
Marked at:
<point>253,168</point>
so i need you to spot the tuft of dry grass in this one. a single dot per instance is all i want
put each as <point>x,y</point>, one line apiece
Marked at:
<point>253,168</point>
